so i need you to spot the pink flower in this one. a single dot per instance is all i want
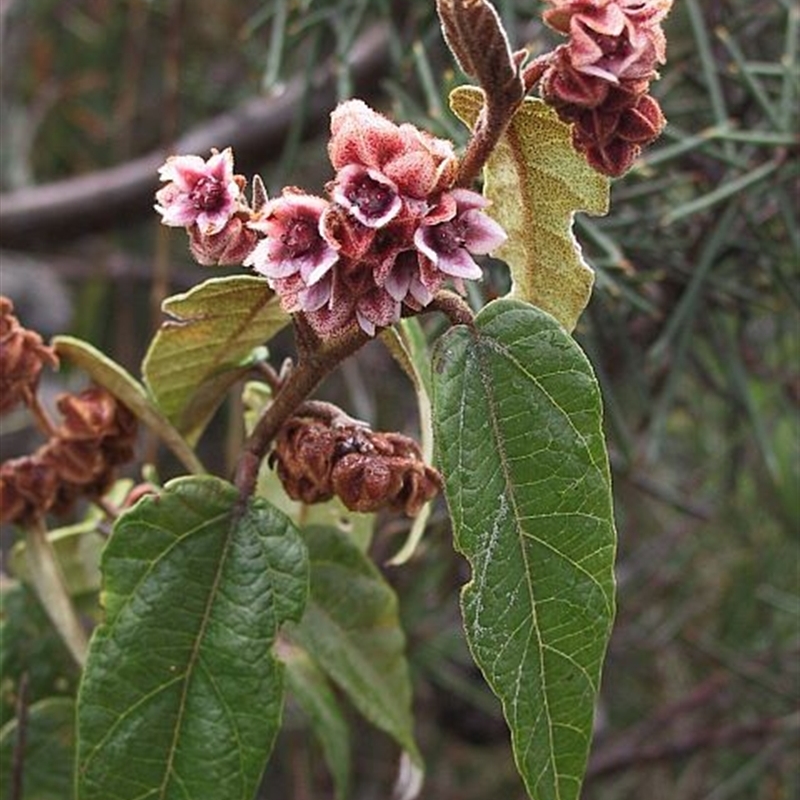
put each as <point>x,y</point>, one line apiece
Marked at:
<point>202,193</point>
<point>367,194</point>
<point>415,162</point>
<point>294,243</point>
<point>449,245</point>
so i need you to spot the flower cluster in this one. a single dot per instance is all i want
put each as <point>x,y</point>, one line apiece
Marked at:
<point>392,231</point>
<point>22,357</point>
<point>97,435</point>
<point>600,79</point>
<point>367,471</point>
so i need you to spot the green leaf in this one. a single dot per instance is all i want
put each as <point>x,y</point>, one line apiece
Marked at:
<point>30,647</point>
<point>314,695</point>
<point>129,391</point>
<point>517,421</point>
<point>351,629</point>
<point>47,769</point>
<point>182,697</point>
<point>537,181</point>
<point>199,354</point>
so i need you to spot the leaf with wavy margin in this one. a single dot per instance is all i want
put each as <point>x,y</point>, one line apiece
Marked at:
<point>537,181</point>
<point>203,350</point>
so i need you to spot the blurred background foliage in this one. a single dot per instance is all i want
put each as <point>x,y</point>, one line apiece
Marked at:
<point>693,330</point>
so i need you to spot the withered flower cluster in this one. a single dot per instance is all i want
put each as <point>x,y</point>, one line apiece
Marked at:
<point>368,471</point>
<point>96,435</point>
<point>599,80</point>
<point>23,354</point>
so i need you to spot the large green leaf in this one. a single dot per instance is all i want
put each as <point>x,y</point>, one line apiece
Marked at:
<point>48,753</point>
<point>351,629</point>
<point>536,182</point>
<point>182,697</point>
<point>197,355</point>
<point>517,421</point>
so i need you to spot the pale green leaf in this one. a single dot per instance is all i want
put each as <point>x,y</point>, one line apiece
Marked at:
<point>518,426</point>
<point>129,391</point>
<point>48,754</point>
<point>351,629</point>
<point>182,697</point>
<point>310,688</point>
<point>409,346</point>
<point>198,354</point>
<point>536,182</point>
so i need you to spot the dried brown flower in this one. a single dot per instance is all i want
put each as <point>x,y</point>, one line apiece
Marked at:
<point>96,435</point>
<point>368,471</point>
<point>22,357</point>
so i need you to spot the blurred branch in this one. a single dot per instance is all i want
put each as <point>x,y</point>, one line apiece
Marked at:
<point>617,761</point>
<point>69,208</point>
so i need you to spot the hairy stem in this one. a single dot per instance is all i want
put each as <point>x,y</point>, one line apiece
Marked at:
<point>317,360</point>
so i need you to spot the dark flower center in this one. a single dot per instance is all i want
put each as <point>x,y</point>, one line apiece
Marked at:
<point>208,194</point>
<point>300,236</point>
<point>449,236</point>
<point>371,197</point>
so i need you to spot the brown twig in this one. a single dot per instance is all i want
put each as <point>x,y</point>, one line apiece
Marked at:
<point>453,307</point>
<point>317,360</point>
<point>89,203</point>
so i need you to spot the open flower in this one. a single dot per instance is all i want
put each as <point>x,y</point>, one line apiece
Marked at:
<point>294,247</point>
<point>449,245</point>
<point>202,193</point>
<point>367,194</point>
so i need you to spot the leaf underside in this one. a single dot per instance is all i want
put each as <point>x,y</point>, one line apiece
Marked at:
<point>197,355</point>
<point>181,697</point>
<point>517,420</point>
<point>536,181</point>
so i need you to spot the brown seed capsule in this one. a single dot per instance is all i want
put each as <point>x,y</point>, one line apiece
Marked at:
<point>368,471</point>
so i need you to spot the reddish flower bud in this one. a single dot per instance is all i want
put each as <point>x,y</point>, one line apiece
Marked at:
<point>232,245</point>
<point>599,80</point>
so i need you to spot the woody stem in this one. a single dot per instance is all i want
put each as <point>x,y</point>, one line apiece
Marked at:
<point>317,360</point>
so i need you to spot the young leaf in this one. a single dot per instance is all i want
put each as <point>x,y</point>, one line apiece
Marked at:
<point>199,354</point>
<point>476,37</point>
<point>129,391</point>
<point>352,631</point>
<point>182,697</point>
<point>49,752</point>
<point>536,182</point>
<point>314,695</point>
<point>517,421</point>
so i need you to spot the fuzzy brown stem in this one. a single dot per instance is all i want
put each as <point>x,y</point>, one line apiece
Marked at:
<point>453,307</point>
<point>317,360</point>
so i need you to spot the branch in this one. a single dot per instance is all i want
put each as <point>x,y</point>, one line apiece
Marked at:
<point>613,762</point>
<point>68,208</point>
